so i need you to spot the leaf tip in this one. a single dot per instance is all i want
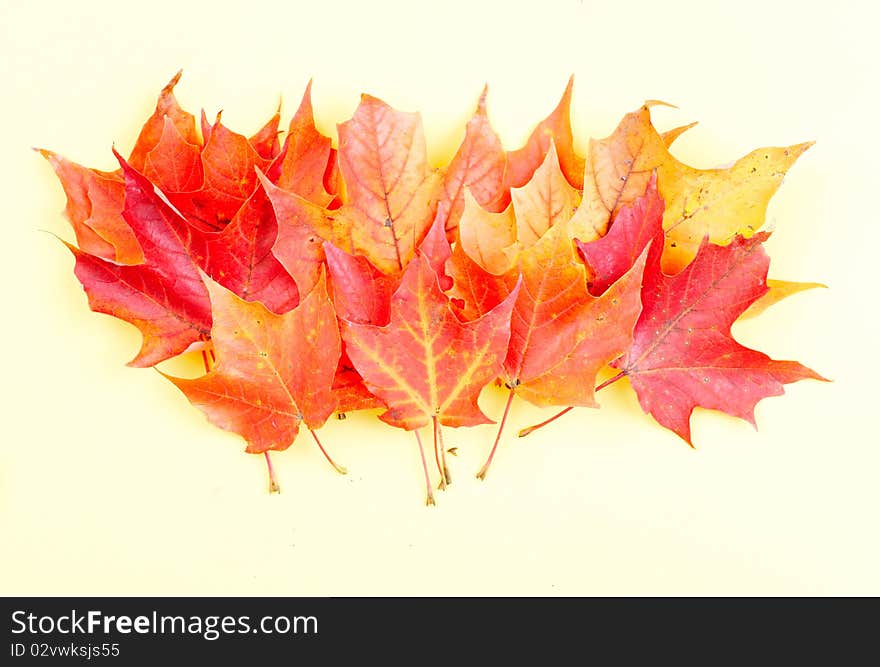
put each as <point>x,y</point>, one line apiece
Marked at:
<point>481,101</point>
<point>658,103</point>
<point>173,81</point>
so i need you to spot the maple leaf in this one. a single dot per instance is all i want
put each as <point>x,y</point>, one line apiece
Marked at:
<point>229,164</point>
<point>608,258</point>
<point>561,335</point>
<point>153,130</point>
<point>488,238</point>
<point>556,128</point>
<point>699,202</point>
<point>425,364</point>
<point>273,372</point>
<point>635,226</point>
<point>478,167</point>
<point>363,294</point>
<point>494,240</point>
<point>174,164</point>
<point>164,296</point>
<point>305,158</point>
<point>391,191</point>
<point>94,210</point>
<point>546,200</point>
<point>301,230</point>
<point>482,167</point>
<point>240,257</point>
<point>684,355</point>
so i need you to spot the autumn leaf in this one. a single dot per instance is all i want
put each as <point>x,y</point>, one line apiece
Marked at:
<point>273,372</point>
<point>635,226</point>
<point>391,192</point>
<point>94,210</point>
<point>608,258</point>
<point>556,129</point>
<point>561,335</point>
<point>546,200</point>
<point>164,296</point>
<point>229,164</point>
<point>305,158</point>
<point>152,131</point>
<point>494,240</point>
<point>478,168</point>
<point>425,364</point>
<point>721,203</point>
<point>174,164</point>
<point>240,257</point>
<point>718,203</point>
<point>684,355</point>
<point>488,238</point>
<point>301,230</point>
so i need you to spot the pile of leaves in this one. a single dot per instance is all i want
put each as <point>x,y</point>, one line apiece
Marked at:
<point>317,279</point>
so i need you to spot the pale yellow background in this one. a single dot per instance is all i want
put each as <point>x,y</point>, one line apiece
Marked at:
<point>110,483</point>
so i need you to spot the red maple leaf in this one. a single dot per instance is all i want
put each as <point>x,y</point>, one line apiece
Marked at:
<point>634,227</point>
<point>164,296</point>
<point>683,354</point>
<point>240,257</point>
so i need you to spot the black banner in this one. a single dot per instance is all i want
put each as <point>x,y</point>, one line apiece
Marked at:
<point>146,630</point>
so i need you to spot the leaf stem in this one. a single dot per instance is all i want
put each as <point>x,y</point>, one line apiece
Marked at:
<point>441,461</point>
<point>205,361</point>
<point>273,482</point>
<point>429,500</point>
<point>610,381</point>
<point>485,468</point>
<point>339,469</point>
<point>531,429</point>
